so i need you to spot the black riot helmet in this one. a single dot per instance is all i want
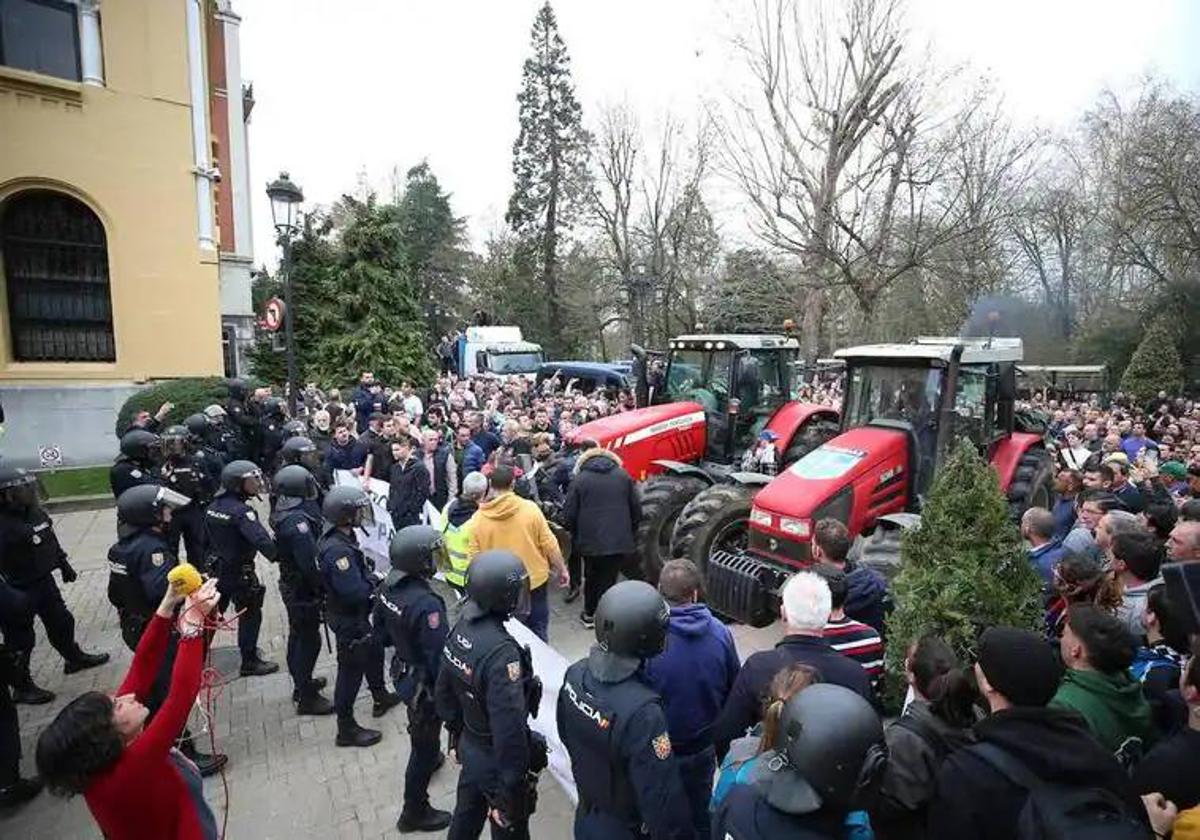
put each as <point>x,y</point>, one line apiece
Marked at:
<point>348,506</point>
<point>141,446</point>
<point>418,550</point>
<point>237,389</point>
<point>176,441</point>
<point>273,407</point>
<point>147,504</point>
<point>497,584</point>
<point>20,490</point>
<point>294,428</point>
<point>831,748</point>
<point>631,626</point>
<point>300,450</point>
<point>197,426</point>
<point>293,485</point>
<point>242,478</point>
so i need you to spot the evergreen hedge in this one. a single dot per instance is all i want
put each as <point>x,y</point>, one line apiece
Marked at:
<point>189,395</point>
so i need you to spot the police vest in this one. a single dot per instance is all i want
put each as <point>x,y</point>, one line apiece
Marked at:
<point>468,651</point>
<point>396,602</point>
<point>458,539</point>
<point>592,726</point>
<point>292,526</point>
<point>125,589</point>
<point>30,547</point>
<point>187,478</point>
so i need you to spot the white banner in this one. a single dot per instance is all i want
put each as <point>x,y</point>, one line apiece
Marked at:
<point>374,541</point>
<point>550,665</point>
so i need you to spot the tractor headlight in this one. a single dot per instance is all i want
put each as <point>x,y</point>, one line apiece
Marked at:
<point>761,517</point>
<point>795,527</point>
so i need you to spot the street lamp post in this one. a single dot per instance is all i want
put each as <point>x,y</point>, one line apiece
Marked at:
<point>285,207</point>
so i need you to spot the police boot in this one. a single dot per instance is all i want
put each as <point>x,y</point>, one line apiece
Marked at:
<point>350,734</point>
<point>424,818</point>
<point>313,703</point>
<point>317,684</point>
<point>19,792</point>
<point>258,667</point>
<point>384,700</point>
<point>205,763</point>
<point>24,689</point>
<point>82,661</point>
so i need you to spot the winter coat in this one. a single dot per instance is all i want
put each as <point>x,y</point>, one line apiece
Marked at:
<point>866,593</point>
<point>973,799</point>
<point>1044,558</point>
<point>517,525</point>
<point>694,675</point>
<point>1157,668</point>
<point>349,457</point>
<point>602,510</point>
<point>409,492</point>
<point>472,458</point>
<point>1112,704</point>
<point>918,744</point>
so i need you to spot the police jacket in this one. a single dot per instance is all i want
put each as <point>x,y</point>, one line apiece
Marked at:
<point>29,549</point>
<point>272,440</point>
<point>345,574</point>
<point>137,572</point>
<point>296,533</point>
<point>243,421</point>
<point>234,536</point>
<point>126,473</point>
<point>616,734</point>
<point>413,620</point>
<point>485,686</point>
<point>192,477</point>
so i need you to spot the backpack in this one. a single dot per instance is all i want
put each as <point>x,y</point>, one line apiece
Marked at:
<point>927,733</point>
<point>1065,812</point>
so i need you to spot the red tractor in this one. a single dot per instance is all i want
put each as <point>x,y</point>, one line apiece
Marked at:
<point>718,393</point>
<point>904,407</point>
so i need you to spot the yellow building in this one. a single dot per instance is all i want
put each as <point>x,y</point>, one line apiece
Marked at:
<point>113,265</point>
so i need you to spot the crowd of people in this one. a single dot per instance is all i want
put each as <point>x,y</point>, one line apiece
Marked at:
<point>1092,722</point>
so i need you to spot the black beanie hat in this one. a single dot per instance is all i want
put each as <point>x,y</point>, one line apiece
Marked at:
<point>1020,665</point>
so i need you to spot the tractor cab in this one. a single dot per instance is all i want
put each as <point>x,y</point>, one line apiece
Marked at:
<point>739,380</point>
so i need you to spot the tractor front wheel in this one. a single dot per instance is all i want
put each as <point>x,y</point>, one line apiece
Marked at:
<point>1032,483</point>
<point>717,519</point>
<point>663,499</point>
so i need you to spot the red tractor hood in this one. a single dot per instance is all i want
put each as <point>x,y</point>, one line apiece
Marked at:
<point>672,432</point>
<point>871,461</point>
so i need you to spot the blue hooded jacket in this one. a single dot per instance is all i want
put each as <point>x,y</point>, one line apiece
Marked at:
<point>694,675</point>
<point>866,595</point>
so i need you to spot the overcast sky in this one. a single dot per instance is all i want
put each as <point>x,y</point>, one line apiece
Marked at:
<point>348,89</point>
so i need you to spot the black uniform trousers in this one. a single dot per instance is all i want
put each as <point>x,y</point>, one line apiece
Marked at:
<point>359,656</point>
<point>247,597</point>
<point>303,639</point>
<point>478,774</point>
<point>425,733</point>
<point>188,523</point>
<point>46,602</point>
<point>10,737</point>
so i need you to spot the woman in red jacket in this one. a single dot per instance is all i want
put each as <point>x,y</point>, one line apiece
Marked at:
<point>136,783</point>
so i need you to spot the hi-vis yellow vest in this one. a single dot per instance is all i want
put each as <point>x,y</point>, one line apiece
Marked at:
<point>457,538</point>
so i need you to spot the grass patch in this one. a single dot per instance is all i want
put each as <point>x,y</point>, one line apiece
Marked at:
<point>80,481</point>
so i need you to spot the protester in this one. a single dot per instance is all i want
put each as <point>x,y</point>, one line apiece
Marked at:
<point>345,451</point>
<point>1173,767</point>
<point>694,676</point>
<point>1038,527</point>
<point>1183,546</point>
<point>441,468</point>
<point>408,484</point>
<point>456,530</point>
<point>860,642</point>
<point>1080,579</point>
<point>866,590</point>
<point>1067,486</point>
<point>1135,557</point>
<point>1157,665</point>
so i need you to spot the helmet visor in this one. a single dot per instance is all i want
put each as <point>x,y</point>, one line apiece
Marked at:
<point>441,557</point>
<point>364,515</point>
<point>252,483</point>
<point>523,603</point>
<point>28,494</point>
<point>174,446</point>
<point>170,498</point>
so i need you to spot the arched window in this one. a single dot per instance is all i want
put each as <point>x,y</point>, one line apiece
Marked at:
<point>56,270</point>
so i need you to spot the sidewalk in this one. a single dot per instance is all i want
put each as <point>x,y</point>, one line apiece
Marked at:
<point>286,778</point>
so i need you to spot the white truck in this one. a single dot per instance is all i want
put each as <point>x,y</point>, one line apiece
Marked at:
<point>501,351</point>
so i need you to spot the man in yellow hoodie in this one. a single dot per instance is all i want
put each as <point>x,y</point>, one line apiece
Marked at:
<point>506,521</point>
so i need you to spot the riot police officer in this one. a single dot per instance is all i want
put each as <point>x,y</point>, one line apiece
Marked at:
<point>412,618</point>
<point>271,433</point>
<point>137,581</point>
<point>222,436</point>
<point>832,749</point>
<point>301,450</point>
<point>485,692</point>
<point>349,583</point>
<point>185,471</point>
<point>233,535</point>
<point>242,420</point>
<point>613,726</point>
<point>16,623</point>
<point>206,442</point>
<point>137,463</point>
<point>297,523</point>
<point>29,552</point>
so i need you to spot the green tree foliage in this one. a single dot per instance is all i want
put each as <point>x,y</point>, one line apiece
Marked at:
<point>964,569</point>
<point>371,310</point>
<point>549,168</point>
<point>188,395</point>
<point>1155,365</point>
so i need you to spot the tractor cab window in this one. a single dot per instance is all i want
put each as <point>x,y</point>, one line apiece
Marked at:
<point>701,376</point>
<point>970,405</point>
<point>761,380</point>
<point>895,393</point>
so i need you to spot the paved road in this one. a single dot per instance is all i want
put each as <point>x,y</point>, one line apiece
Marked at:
<point>286,778</point>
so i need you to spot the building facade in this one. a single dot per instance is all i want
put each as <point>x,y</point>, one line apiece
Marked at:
<point>124,211</point>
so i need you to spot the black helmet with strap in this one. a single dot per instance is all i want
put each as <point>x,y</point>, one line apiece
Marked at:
<point>631,626</point>
<point>299,450</point>
<point>293,485</point>
<point>19,488</point>
<point>197,426</point>
<point>418,550</point>
<point>235,476</point>
<point>497,584</point>
<point>144,504</point>
<point>347,506</point>
<point>176,440</point>
<point>141,446</point>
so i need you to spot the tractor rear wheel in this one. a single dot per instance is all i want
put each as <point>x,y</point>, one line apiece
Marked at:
<point>663,499</point>
<point>814,433</point>
<point>717,519</point>
<point>1032,483</point>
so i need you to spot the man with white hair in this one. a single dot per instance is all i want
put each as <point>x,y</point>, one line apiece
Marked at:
<point>805,605</point>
